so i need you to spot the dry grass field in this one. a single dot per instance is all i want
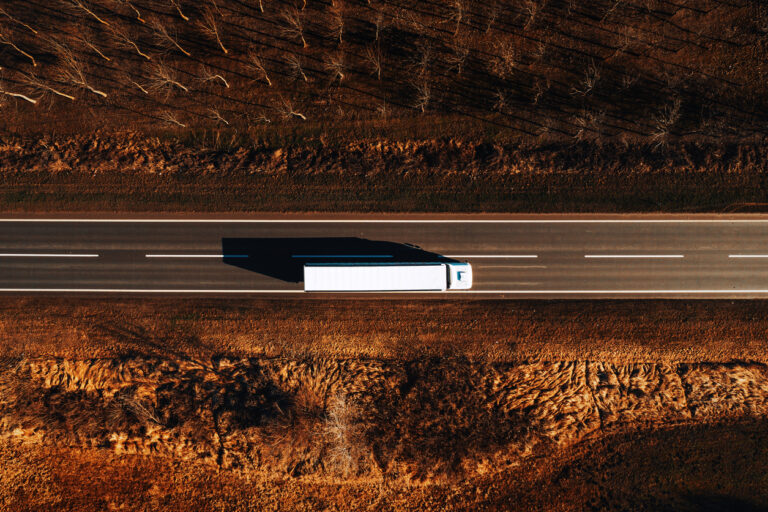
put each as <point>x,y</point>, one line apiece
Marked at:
<point>280,405</point>
<point>130,173</point>
<point>487,331</point>
<point>683,469</point>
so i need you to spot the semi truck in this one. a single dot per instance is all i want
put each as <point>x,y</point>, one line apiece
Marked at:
<point>387,277</point>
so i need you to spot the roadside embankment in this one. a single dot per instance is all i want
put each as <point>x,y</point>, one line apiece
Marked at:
<point>421,421</point>
<point>129,172</point>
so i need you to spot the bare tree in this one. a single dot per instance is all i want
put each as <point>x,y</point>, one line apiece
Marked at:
<point>663,122</point>
<point>165,39</point>
<point>500,103</point>
<point>3,12</point>
<point>423,58</point>
<point>216,7</point>
<point>128,78</point>
<point>293,25</point>
<point>129,5</point>
<point>6,40</point>
<point>650,5</point>
<point>334,65</point>
<point>493,14</point>
<point>373,58</point>
<point>4,91</point>
<point>258,118</point>
<point>456,14</point>
<point>210,27</point>
<point>505,62</point>
<point>547,124</point>
<point>625,41</point>
<point>589,125</point>
<point>533,8</point>
<point>628,80</point>
<point>136,407</point>
<point>343,437</point>
<point>123,40</point>
<point>539,88</point>
<point>177,6</point>
<point>81,6</point>
<point>206,75</point>
<point>85,38</point>
<point>615,5</point>
<point>407,19</point>
<point>256,65</point>
<point>286,109</point>
<point>295,69</point>
<point>383,110</point>
<point>72,70</point>
<point>378,23</point>
<point>41,87</point>
<point>337,20</point>
<point>458,55</point>
<point>216,116</point>
<point>170,118</point>
<point>588,83</point>
<point>164,77</point>
<point>423,93</point>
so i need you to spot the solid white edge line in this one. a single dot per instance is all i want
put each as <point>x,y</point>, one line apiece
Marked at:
<point>497,256</point>
<point>399,221</point>
<point>22,255</point>
<point>511,266</point>
<point>452,292</point>
<point>618,292</point>
<point>608,256</point>
<point>133,290</point>
<point>222,256</point>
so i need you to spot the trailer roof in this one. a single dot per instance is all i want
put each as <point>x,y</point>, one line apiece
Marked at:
<point>375,277</point>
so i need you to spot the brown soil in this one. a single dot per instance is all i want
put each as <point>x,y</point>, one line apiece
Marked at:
<point>712,467</point>
<point>549,69</point>
<point>614,331</point>
<point>368,422</point>
<point>276,405</point>
<point>718,467</point>
<point>132,173</point>
<point>480,106</point>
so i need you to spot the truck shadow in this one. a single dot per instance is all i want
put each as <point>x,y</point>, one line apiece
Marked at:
<point>284,258</point>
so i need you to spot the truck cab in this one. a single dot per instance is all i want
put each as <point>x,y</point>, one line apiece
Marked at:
<point>459,276</point>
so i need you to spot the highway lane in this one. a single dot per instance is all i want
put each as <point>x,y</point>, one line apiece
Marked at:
<point>511,257</point>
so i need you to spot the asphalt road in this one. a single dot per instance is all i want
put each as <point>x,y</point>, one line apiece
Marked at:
<point>533,257</point>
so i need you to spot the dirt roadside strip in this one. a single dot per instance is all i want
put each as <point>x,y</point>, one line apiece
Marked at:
<point>130,173</point>
<point>320,216</point>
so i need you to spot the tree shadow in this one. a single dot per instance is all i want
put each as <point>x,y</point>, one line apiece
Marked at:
<point>717,503</point>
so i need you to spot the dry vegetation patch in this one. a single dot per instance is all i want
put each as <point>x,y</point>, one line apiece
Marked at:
<point>427,106</point>
<point>612,331</point>
<point>130,172</point>
<point>276,405</point>
<point>673,468</point>
<point>420,420</point>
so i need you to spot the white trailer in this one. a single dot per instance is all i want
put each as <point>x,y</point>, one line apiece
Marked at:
<point>383,277</point>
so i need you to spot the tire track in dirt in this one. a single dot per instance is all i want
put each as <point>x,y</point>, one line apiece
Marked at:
<point>420,419</point>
